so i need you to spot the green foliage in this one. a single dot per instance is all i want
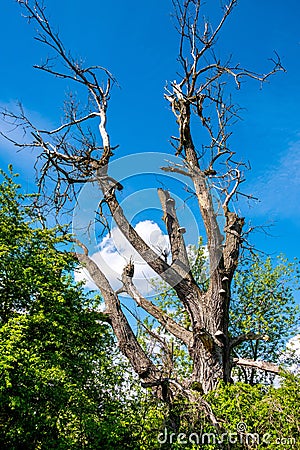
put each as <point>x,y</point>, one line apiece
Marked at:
<point>250,417</point>
<point>29,259</point>
<point>63,384</point>
<point>263,303</point>
<point>267,412</point>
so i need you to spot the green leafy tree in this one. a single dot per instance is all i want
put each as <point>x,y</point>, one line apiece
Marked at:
<point>263,303</point>
<point>62,382</point>
<point>263,313</point>
<point>250,417</point>
<point>260,417</point>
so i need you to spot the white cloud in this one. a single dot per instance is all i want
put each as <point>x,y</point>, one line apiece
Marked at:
<point>115,252</point>
<point>290,358</point>
<point>293,353</point>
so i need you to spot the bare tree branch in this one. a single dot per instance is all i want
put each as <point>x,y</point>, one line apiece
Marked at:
<point>163,318</point>
<point>175,232</point>
<point>247,337</point>
<point>261,365</point>
<point>124,334</point>
<point>69,124</point>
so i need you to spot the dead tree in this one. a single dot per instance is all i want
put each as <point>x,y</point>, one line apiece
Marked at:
<point>70,155</point>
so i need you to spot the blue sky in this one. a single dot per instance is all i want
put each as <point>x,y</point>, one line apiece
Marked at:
<point>136,41</point>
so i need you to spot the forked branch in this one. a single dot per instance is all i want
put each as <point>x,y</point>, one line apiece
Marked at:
<point>163,318</point>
